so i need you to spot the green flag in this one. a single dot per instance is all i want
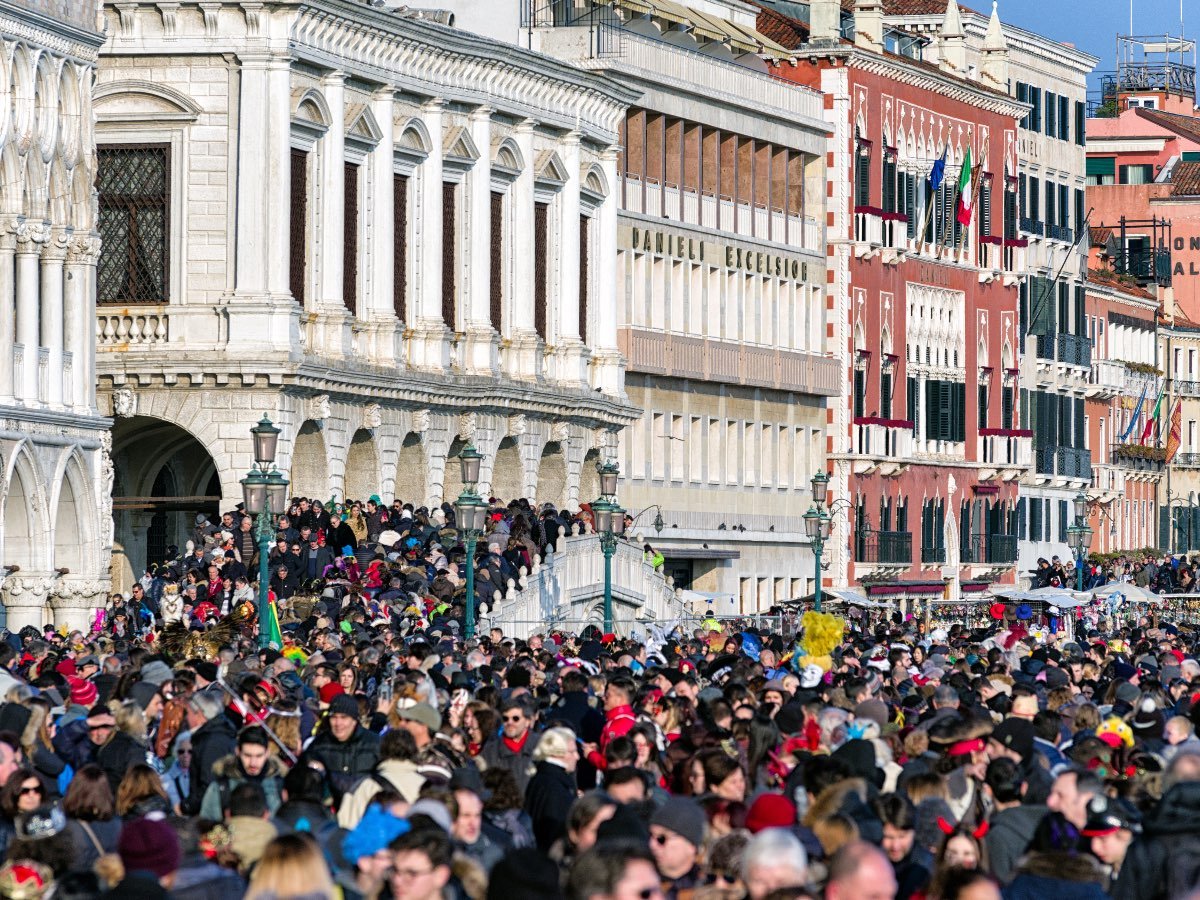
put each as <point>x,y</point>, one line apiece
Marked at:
<point>1152,419</point>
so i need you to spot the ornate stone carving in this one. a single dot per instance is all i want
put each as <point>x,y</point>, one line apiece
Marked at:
<point>212,13</point>
<point>372,415</point>
<point>253,11</point>
<point>605,441</point>
<point>124,403</point>
<point>30,235</point>
<point>517,425</point>
<point>83,249</point>
<point>76,592</point>
<point>467,425</point>
<point>107,477</point>
<point>319,407</point>
<point>560,432</point>
<point>170,18</point>
<point>420,420</point>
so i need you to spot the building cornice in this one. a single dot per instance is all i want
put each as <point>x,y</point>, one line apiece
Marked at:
<point>900,71</point>
<point>1116,295</point>
<point>66,38</point>
<point>462,65</point>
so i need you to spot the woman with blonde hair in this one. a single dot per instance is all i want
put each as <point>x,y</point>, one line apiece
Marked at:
<point>283,718</point>
<point>292,866</point>
<point>552,789</point>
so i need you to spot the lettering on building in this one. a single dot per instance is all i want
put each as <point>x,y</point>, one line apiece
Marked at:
<point>1189,264</point>
<point>727,256</point>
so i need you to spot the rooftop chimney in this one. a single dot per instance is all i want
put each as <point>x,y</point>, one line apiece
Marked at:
<point>824,21</point>
<point>994,70</point>
<point>868,25</point>
<point>954,42</point>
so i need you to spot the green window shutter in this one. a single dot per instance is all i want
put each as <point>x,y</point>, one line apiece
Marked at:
<point>1080,123</point>
<point>1101,165</point>
<point>958,412</point>
<point>860,391</point>
<point>1191,156</point>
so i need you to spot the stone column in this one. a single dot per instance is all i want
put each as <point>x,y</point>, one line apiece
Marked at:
<point>568,358</point>
<point>8,310</point>
<point>278,176</point>
<point>54,253</point>
<point>380,293</point>
<point>482,344</point>
<point>30,238</point>
<point>253,177</point>
<point>522,357</point>
<point>429,346</point>
<point>333,332</point>
<point>74,602</point>
<point>607,364</point>
<point>79,318</point>
<point>25,600</point>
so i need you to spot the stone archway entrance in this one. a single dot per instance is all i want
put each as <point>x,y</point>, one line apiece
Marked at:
<point>310,463</point>
<point>164,478</point>
<point>362,466</point>
<point>552,476</point>
<point>508,474</point>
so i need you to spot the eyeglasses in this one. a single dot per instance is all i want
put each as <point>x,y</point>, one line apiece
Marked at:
<point>514,718</point>
<point>408,874</point>
<point>36,789</point>
<point>661,838</point>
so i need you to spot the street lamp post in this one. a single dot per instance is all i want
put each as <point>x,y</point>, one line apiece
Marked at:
<point>471,511</point>
<point>1079,536</point>
<point>818,525</point>
<point>609,520</point>
<point>264,493</point>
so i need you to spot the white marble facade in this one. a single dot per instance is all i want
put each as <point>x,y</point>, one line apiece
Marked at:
<point>54,464</point>
<point>389,235</point>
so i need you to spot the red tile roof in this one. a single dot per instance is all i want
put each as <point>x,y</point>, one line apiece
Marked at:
<point>783,30</point>
<point>1099,235</point>
<point>1185,180</point>
<point>1122,284</point>
<point>1187,126</point>
<point>911,7</point>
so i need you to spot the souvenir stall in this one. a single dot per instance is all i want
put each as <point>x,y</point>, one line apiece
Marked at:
<point>1125,603</point>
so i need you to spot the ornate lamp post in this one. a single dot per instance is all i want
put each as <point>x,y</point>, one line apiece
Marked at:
<point>1079,536</point>
<point>818,525</point>
<point>471,511</point>
<point>264,492</point>
<point>610,525</point>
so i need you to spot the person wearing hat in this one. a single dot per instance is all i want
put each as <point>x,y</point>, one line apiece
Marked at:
<point>1112,824</point>
<point>437,758</point>
<point>345,749</point>
<point>676,838</point>
<point>150,853</point>
<point>1015,739</point>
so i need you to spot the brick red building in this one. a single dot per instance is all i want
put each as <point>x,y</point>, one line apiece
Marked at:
<point>926,445</point>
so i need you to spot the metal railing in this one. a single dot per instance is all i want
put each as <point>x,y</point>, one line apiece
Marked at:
<point>993,549</point>
<point>1032,226</point>
<point>1075,350</point>
<point>1060,233</point>
<point>1069,462</point>
<point>933,554</point>
<point>1187,460</point>
<point>885,547</point>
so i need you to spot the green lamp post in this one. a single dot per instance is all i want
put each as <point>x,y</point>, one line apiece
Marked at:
<point>609,522</point>
<point>264,493</point>
<point>471,512</point>
<point>818,525</point>
<point>1079,536</point>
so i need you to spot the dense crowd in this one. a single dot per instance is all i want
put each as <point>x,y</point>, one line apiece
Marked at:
<point>373,752</point>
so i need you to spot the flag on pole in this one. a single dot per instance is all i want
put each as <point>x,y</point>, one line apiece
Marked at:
<point>1176,435</point>
<point>1137,414</point>
<point>965,200</point>
<point>938,172</point>
<point>274,633</point>
<point>1152,419</point>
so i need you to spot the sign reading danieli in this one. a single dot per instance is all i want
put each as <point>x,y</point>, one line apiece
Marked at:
<point>727,256</point>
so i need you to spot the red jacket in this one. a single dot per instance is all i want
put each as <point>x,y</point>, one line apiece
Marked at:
<point>618,722</point>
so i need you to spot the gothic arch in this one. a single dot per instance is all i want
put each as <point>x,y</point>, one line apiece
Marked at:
<point>72,528</point>
<point>45,103</point>
<point>310,463</point>
<point>23,98</point>
<point>70,146</point>
<point>25,529</point>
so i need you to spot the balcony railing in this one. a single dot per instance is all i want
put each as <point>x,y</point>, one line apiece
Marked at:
<point>936,555</point>
<point>1138,457</point>
<point>1031,226</point>
<point>1107,378</point>
<point>1187,388</point>
<point>1069,349</point>
<point>1108,478</point>
<point>1066,462</point>
<point>991,549</point>
<point>1062,233</point>
<point>883,437</point>
<point>868,225</point>
<point>1005,447</point>
<point>883,547</point>
<point>1187,460</point>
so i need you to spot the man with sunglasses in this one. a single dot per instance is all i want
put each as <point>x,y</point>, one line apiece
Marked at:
<point>676,839</point>
<point>514,750</point>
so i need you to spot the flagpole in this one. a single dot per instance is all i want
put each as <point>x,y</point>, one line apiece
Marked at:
<point>928,208</point>
<point>977,182</point>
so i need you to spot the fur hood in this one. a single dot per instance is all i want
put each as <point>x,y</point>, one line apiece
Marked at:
<point>830,800</point>
<point>227,767</point>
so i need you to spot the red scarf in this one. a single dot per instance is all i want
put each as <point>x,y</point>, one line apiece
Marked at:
<point>515,746</point>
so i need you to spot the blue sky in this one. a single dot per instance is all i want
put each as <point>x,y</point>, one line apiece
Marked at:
<point>1092,25</point>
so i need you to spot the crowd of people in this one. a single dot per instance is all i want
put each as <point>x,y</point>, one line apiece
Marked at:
<point>373,751</point>
<point>1157,572</point>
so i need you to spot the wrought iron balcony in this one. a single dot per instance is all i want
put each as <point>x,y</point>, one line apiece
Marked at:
<point>1186,460</point>
<point>1032,226</point>
<point>1136,456</point>
<point>883,547</point>
<point>1067,462</point>
<point>935,555</point>
<point>992,549</point>
<point>1075,350</point>
<point>1060,233</point>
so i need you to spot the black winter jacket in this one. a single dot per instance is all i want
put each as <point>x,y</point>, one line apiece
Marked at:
<point>548,799</point>
<point>346,761</point>
<point>1173,826</point>
<point>212,741</point>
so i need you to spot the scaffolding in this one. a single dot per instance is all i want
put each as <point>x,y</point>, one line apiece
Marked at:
<point>1146,64</point>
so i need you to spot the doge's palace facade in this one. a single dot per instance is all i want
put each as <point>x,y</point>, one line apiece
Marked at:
<point>54,461</point>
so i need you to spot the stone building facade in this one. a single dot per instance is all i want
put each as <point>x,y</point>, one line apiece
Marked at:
<point>54,463</point>
<point>720,287</point>
<point>391,236</point>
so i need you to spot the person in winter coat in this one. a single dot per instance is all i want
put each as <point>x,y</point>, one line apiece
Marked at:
<point>1013,823</point>
<point>575,710</point>
<point>1057,865</point>
<point>91,817</point>
<point>343,748</point>
<point>514,750</point>
<point>1165,861</point>
<point>213,737</point>
<point>127,746</point>
<point>397,771</point>
<point>252,763</point>
<point>551,790</point>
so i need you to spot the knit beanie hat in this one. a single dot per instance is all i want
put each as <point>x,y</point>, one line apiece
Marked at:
<point>83,693</point>
<point>374,832</point>
<point>331,690</point>
<point>684,816</point>
<point>524,873</point>
<point>149,845</point>
<point>770,811</point>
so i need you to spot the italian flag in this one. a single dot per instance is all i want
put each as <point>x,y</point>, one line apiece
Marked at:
<point>1153,420</point>
<point>964,191</point>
